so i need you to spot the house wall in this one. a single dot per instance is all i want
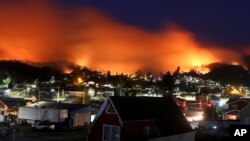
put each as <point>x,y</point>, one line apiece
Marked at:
<point>42,114</point>
<point>136,130</point>
<point>2,105</point>
<point>130,131</point>
<point>190,136</point>
<point>97,129</point>
<point>81,119</point>
<point>3,108</point>
<point>1,118</point>
<point>244,115</point>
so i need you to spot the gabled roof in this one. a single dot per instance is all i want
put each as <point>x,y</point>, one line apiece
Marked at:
<point>163,110</point>
<point>234,111</point>
<point>233,100</point>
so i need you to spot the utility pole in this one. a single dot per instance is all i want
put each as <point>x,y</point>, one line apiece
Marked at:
<point>39,95</point>
<point>62,92</point>
<point>58,94</point>
<point>28,89</point>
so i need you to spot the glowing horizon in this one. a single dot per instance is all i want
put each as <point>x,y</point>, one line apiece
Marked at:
<point>89,38</point>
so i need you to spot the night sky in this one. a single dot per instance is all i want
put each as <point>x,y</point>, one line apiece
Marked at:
<point>125,36</point>
<point>224,22</point>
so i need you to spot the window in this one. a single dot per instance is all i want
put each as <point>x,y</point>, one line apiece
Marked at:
<point>110,109</point>
<point>111,133</point>
<point>232,117</point>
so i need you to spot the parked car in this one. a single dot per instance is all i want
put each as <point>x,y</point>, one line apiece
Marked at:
<point>43,125</point>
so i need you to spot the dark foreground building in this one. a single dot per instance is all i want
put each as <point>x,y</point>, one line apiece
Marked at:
<point>140,119</point>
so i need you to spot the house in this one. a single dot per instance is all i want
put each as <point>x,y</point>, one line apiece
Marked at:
<point>105,91</point>
<point>235,105</point>
<point>79,115</point>
<point>231,114</point>
<point>193,110</point>
<point>140,119</point>
<point>9,106</point>
<point>78,97</point>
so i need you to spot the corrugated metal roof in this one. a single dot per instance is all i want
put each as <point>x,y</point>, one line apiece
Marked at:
<point>69,107</point>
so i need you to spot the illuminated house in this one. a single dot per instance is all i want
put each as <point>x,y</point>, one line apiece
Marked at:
<point>231,115</point>
<point>77,97</point>
<point>140,119</point>
<point>235,106</point>
<point>235,91</point>
<point>9,106</point>
<point>193,110</point>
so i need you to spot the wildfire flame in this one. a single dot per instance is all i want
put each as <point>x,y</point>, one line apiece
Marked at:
<point>37,31</point>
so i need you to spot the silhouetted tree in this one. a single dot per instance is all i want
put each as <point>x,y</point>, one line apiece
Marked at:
<point>21,72</point>
<point>167,83</point>
<point>177,72</point>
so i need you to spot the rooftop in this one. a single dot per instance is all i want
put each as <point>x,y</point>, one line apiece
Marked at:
<point>163,110</point>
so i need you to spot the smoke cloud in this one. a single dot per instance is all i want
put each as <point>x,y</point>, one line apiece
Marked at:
<point>39,31</point>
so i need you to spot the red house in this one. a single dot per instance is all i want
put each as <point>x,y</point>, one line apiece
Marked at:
<point>140,119</point>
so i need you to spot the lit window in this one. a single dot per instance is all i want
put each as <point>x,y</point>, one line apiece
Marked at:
<point>232,117</point>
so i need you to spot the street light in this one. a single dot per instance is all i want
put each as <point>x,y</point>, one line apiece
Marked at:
<point>58,94</point>
<point>39,95</point>
<point>28,89</point>
<point>52,90</point>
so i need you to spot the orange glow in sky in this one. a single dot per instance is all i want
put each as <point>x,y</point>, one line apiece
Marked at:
<point>38,32</point>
